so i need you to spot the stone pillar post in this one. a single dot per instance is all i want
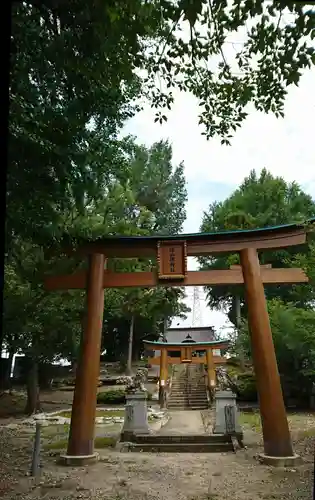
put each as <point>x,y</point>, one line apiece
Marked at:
<point>225,399</point>
<point>136,416</point>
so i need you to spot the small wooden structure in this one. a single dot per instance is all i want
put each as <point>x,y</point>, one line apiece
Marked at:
<point>187,352</point>
<point>171,257</point>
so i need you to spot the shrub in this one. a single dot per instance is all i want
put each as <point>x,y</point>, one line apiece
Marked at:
<point>246,387</point>
<point>115,397</point>
<point>233,361</point>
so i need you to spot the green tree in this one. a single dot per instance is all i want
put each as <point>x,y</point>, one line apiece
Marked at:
<point>43,326</point>
<point>67,106</point>
<point>158,186</point>
<point>149,311</point>
<point>178,45</point>
<point>158,190</point>
<point>278,46</point>
<point>123,208</point>
<point>260,201</point>
<point>294,339</point>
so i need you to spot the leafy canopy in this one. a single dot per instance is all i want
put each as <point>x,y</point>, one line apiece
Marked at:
<point>260,201</point>
<point>293,335</point>
<point>79,64</point>
<point>277,46</point>
<point>148,194</point>
<point>182,45</point>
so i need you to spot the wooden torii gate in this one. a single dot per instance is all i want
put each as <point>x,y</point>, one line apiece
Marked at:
<point>171,270</point>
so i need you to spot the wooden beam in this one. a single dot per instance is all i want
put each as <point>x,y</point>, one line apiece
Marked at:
<point>242,241</point>
<point>149,279</point>
<point>262,266</point>
<point>197,245</point>
<point>66,282</point>
<point>218,360</point>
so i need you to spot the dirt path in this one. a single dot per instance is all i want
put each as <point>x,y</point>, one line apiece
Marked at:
<point>184,422</point>
<point>142,476</point>
<point>169,476</point>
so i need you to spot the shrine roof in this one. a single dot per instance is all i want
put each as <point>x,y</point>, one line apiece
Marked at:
<point>213,343</point>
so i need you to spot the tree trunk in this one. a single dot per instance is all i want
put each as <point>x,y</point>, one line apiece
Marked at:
<point>238,317</point>
<point>130,343</point>
<point>5,371</point>
<point>33,403</point>
<point>8,372</point>
<point>74,366</point>
<point>136,354</point>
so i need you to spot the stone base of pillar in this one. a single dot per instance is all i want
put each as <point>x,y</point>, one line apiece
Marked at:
<point>136,416</point>
<point>223,399</point>
<point>78,461</point>
<point>280,461</point>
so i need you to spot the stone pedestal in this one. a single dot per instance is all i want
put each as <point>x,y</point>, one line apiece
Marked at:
<point>226,399</point>
<point>136,416</point>
<point>78,461</point>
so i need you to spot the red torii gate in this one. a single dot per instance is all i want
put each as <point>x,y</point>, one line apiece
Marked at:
<point>171,255</point>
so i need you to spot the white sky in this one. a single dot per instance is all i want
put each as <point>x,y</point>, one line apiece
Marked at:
<point>283,146</point>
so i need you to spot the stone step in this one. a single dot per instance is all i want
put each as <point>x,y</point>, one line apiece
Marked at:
<point>183,448</point>
<point>193,388</point>
<point>184,388</point>
<point>187,403</point>
<point>198,389</point>
<point>193,394</point>
<point>187,407</point>
<point>178,399</point>
<point>174,404</point>
<point>188,396</point>
<point>181,438</point>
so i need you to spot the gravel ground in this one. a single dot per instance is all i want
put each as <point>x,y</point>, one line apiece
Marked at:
<point>122,476</point>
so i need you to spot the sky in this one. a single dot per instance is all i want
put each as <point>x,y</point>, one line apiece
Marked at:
<point>284,146</point>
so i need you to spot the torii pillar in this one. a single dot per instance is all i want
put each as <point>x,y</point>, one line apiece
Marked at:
<point>210,369</point>
<point>277,439</point>
<point>163,377</point>
<point>81,439</point>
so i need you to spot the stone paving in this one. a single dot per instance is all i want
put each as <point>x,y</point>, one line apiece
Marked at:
<point>184,422</point>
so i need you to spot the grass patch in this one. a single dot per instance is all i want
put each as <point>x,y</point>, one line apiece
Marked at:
<point>305,427</point>
<point>99,413</point>
<point>53,430</point>
<point>61,444</point>
<point>251,420</point>
<point>100,442</point>
<point>308,432</point>
<point>105,442</point>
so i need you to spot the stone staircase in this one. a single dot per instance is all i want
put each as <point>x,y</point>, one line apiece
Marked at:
<point>189,390</point>
<point>181,443</point>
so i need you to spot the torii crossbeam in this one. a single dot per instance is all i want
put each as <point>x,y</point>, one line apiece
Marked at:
<point>171,270</point>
